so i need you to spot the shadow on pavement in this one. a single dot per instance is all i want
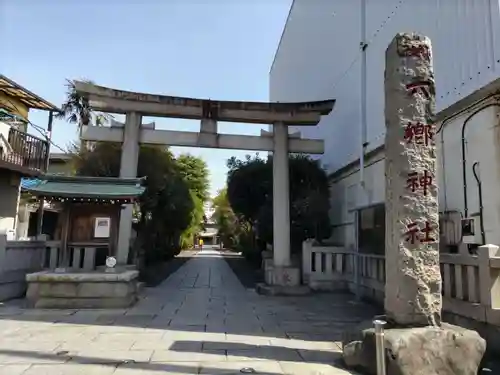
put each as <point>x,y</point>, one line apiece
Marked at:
<point>268,352</point>
<point>68,359</point>
<point>154,275</point>
<point>246,274</point>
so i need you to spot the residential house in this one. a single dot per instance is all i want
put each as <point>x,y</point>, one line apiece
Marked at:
<point>21,154</point>
<point>59,164</point>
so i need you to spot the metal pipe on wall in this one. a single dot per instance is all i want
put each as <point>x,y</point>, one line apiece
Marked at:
<point>380,346</point>
<point>480,197</point>
<point>441,130</point>
<point>41,201</point>
<point>363,120</point>
<point>464,160</point>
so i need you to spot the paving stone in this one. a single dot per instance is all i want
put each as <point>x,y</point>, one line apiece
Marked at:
<point>264,353</point>
<point>14,369</point>
<point>130,337</point>
<point>29,357</point>
<point>95,356</point>
<point>199,320</point>
<point>260,367</point>
<point>176,356</point>
<point>69,369</point>
<point>171,368</point>
<point>301,368</point>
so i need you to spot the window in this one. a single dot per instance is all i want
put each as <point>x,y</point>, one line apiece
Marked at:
<point>371,230</point>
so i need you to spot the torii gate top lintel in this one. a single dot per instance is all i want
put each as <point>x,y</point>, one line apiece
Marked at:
<point>119,101</point>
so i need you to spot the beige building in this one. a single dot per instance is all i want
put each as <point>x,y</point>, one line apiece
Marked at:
<point>21,154</point>
<point>60,164</point>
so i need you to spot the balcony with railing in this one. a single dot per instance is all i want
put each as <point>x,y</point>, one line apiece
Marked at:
<point>22,152</point>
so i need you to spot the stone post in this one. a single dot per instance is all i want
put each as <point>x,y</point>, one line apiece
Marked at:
<point>415,341</point>
<point>128,169</point>
<point>413,277</point>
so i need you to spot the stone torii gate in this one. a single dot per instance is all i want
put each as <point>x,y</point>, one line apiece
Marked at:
<point>281,115</point>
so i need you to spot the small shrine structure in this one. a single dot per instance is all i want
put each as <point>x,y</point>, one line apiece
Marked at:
<point>76,275</point>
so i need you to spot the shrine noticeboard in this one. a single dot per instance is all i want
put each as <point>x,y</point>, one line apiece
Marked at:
<point>102,227</point>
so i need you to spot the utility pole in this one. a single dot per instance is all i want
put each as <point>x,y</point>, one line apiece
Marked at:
<point>39,221</point>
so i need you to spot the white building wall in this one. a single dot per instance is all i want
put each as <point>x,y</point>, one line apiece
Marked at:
<point>319,58</point>
<point>482,141</point>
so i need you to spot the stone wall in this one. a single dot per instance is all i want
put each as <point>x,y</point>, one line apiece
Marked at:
<point>97,290</point>
<point>17,259</point>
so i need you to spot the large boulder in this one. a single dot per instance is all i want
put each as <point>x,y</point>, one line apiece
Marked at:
<point>445,350</point>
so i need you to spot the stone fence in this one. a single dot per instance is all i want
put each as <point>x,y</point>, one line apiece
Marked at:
<point>18,258</point>
<point>471,283</point>
<point>82,255</point>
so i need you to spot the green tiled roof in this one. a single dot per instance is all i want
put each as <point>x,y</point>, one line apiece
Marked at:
<point>87,187</point>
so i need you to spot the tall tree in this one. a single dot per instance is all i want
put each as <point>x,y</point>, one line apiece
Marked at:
<point>249,186</point>
<point>76,108</point>
<point>165,209</point>
<point>250,193</point>
<point>194,170</point>
<point>224,218</point>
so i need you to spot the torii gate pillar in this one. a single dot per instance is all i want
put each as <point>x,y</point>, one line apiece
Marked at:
<point>281,276</point>
<point>128,168</point>
<point>281,197</point>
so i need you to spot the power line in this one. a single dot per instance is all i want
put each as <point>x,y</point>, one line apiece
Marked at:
<point>364,44</point>
<point>39,129</point>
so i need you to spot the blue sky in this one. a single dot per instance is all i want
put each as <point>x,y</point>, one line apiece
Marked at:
<point>218,49</point>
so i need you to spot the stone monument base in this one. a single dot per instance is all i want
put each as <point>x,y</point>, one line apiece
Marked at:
<point>445,350</point>
<point>77,290</point>
<point>282,281</point>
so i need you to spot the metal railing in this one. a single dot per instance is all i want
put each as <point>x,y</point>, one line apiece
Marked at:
<point>25,150</point>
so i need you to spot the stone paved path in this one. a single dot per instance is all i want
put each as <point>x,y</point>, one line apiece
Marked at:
<point>201,320</point>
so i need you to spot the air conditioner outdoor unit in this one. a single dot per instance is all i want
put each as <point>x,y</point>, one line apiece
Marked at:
<point>471,230</point>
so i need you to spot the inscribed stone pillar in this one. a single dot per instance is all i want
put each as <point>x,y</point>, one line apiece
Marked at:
<point>413,278</point>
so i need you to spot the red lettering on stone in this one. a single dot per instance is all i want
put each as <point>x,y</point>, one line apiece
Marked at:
<point>417,50</point>
<point>418,133</point>
<point>422,181</point>
<point>422,87</point>
<point>427,233</point>
<point>414,234</point>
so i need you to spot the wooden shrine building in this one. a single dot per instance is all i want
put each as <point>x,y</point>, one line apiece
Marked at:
<point>90,208</point>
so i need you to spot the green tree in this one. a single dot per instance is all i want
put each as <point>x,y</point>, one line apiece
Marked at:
<point>195,222</point>
<point>249,186</point>
<point>195,172</point>
<point>225,219</point>
<point>76,108</point>
<point>250,195</point>
<point>165,209</point>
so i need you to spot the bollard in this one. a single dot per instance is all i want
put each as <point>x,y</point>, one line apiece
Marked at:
<point>380,346</point>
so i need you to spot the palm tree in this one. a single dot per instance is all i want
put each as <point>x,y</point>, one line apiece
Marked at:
<point>76,108</point>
